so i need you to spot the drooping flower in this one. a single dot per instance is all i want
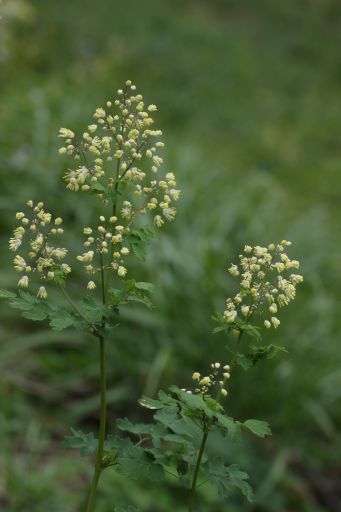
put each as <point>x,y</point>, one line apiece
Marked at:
<point>42,293</point>
<point>23,282</point>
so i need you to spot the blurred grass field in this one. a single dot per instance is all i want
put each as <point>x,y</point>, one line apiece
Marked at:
<point>249,97</point>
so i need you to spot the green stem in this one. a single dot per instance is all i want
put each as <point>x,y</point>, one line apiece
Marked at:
<point>102,424</point>
<point>103,409</point>
<point>196,471</point>
<point>207,430</point>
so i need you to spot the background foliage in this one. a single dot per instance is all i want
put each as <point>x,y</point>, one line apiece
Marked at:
<point>249,99</point>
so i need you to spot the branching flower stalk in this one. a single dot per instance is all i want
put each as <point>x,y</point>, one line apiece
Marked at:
<point>264,286</point>
<point>116,159</point>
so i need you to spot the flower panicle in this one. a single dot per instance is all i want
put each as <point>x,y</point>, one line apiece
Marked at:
<point>267,283</point>
<point>34,233</point>
<point>217,378</point>
<point>122,146</point>
<point>108,238</point>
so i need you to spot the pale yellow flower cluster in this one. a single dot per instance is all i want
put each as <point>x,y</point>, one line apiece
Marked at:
<point>219,375</point>
<point>122,148</point>
<point>36,229</point>
<point>107,237</point>
<point>266,283</point>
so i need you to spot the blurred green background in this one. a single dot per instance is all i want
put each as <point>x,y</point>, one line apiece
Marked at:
<point>249,96</point>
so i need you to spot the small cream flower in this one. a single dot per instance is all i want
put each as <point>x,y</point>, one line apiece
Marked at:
<point>234,270</point>
<point>245,310</point>
<point>273,308</point>
<point>158,221</point>
<point>42,293</point>
<point>91,285</point>
<point>275,322</point>
<point>121,271</point>
<point>230,316</point>
<point>152,108</point>
<point>23,282</point>
<point>205,381</point>
<point>14,243</point>
<point>19,263</point>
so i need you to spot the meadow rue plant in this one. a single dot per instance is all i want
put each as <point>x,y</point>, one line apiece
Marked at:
<point>117,159</point>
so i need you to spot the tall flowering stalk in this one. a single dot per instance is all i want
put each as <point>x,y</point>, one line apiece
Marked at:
<point>117,159</point>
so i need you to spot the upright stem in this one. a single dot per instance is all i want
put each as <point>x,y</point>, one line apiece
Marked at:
<point>103,409</point>
<point>196,471</point>
<point>102,424</point>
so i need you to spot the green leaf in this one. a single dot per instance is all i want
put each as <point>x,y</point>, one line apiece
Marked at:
<point>257,427</point>
<point>226,478</point>
<point>38,313</point>
<point>196,403</point>
<point>93,310</point>
<point>140,298</point>
<point>249,329</point>
<point>137,428</point>
<point>182,425</point>
<point>97,187</point>
<point>228,425</point>
<point>61,319</point>
<point>86,443</point>
<point>117,444</point>
<point>139,251</point>
<point>25,301</point>
<point>148,287</point>
<point>5,294</point>
<point>33,308</point>
<point>137,239</point>
<point>264,352</point>
<point>137,464</point>
<point>220,329</point>
<point>244,361</point>
<point>237,479</point>
<point>258,353</point>
<point>151,403</point>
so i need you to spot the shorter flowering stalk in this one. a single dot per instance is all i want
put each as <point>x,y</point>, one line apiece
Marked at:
<point>266,285</point>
